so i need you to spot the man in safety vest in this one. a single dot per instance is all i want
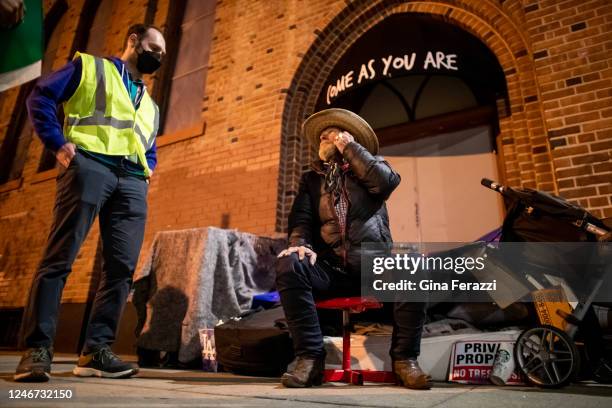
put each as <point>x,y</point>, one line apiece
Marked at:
<point>106,153</point>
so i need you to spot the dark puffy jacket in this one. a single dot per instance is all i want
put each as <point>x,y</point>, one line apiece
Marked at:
<point>313,220</point>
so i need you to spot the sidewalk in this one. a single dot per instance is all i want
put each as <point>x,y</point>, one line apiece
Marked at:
<point>173,388</point>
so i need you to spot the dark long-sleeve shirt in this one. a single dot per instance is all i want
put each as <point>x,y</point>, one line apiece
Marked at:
<point>51,91</point>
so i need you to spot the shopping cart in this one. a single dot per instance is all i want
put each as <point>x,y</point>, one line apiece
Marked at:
<point>547,354</point>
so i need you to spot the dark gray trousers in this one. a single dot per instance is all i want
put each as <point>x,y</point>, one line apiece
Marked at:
<point>87,189</point>
<point>299,284</point>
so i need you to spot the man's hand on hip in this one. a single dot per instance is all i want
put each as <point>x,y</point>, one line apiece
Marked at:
<point>301,251</point>
<point>65,154</point>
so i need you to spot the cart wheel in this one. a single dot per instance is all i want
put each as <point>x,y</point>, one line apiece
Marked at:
<point>547,356</point>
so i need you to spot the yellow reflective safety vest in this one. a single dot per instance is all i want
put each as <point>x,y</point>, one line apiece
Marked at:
<point>100,116</point>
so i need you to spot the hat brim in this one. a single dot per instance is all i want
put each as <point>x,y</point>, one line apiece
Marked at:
<point>342,119</point>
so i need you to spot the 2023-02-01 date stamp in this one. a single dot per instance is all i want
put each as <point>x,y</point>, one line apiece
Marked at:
<point>41,394</point>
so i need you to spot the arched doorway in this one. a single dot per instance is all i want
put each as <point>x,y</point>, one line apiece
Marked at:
<point>524,152</point>
<point>431,91</point>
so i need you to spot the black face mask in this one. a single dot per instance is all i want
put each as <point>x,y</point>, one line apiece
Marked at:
<point>148,61</point>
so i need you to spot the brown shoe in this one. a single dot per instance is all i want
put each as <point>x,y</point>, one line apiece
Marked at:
<point>410,375</point>
<point>306,373</point>
<point>35,365</point>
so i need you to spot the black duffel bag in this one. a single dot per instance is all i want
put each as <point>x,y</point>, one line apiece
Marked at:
<point>256,344</point>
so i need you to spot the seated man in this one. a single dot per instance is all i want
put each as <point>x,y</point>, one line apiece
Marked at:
<point>340,204</point>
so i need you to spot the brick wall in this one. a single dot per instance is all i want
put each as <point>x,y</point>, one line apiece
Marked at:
<point>265,69</point>
<point>572,41</point>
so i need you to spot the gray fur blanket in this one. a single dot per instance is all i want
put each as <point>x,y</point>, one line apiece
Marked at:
<point>194,278</point>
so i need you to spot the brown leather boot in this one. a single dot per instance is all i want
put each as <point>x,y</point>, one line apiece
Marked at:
<point>410,375</point>
<point>306,373</point>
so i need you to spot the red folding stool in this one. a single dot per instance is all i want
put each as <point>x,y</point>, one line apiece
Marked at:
<point>347,375</point>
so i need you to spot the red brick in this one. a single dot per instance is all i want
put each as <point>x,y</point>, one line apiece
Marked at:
<point>607,189</point>
<point>594,179</point>
<point>586,137</point>
<point>591,158</point>
<point>578,192</point>
<point>601,146</point>
<point>574,171</point>
<point>570,151</point>
<point>598,202</point>
<point>602,167</point>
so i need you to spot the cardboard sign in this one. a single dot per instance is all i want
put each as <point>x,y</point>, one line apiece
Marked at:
<point>548,302</point>
<point>472,362</point>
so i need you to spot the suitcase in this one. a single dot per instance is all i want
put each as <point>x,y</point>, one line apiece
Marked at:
<point>255,344</point>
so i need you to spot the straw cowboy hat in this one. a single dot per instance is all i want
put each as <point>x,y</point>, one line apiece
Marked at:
<point>343,119</point>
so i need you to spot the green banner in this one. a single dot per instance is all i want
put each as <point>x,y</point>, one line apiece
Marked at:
<point>23,45</point>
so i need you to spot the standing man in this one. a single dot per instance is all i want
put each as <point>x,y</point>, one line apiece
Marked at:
<point>106,152</point>
<point>340,205</point>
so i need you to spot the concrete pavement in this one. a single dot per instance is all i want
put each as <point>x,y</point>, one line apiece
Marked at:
<point>189,388</point>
